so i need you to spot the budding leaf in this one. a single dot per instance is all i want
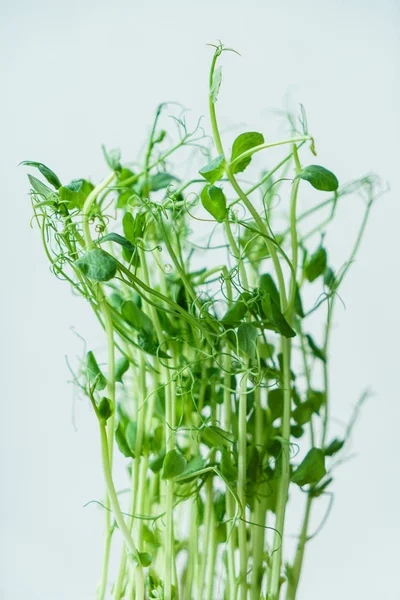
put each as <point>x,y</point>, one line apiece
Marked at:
<point>97,265</point>
<point>45,171</point>
<point>320,178</point>
<point>118,239</point>
<point>113,158</point>
<point>216,84</point>
<point>40,188</point>
<point>145,559</point>
<point>237,312</point>
<point>311,469</point>
<point>94,373</point>
<point>214,170</point>
<point>214,201</point>
<point>242,143</point>
<point>105,408</point>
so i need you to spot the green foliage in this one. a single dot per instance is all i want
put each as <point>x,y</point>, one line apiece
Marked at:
<point>320,178</point>
<point>335,446</point>
<point>174,464</point>
<point>311,469</point>
<point>214,201</point>
<point>121,368</point>
<point>244,142</point>
<point>94,374</point>
<point>316,265</point>
<point>220,395</point>
<point>97,265</point>
<point>247,336</point>
<point>105,408</point>
<point>47,173</point>
<point>75,193</point>
<point>214,170</point>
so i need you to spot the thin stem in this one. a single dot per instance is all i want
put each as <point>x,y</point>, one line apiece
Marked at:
<point>298,562</point>
<point>130,544</point>
<point>242,480</point>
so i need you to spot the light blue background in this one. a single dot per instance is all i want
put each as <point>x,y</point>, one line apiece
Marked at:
<point>79,74</point>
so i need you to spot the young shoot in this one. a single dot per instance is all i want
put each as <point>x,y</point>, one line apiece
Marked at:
<point>214,385</point>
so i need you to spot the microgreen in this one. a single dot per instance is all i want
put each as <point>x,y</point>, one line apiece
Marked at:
<point>211,386</point>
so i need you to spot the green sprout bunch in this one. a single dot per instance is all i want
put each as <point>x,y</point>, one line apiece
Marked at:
<point>215,389</point>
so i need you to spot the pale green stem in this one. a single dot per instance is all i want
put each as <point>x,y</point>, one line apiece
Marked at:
<point>130,544</point>
<point>259,514</point>
<point>298,562</point>
<point>242,480</point>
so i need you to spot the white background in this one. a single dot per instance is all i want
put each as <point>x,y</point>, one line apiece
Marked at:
<point>79,74</point>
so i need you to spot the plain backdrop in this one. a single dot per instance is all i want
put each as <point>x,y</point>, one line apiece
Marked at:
<point>79,74</point>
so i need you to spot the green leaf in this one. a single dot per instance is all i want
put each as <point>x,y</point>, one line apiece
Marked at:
<point>97,265</point>
<point>75,193</point>
<point>252,463</point>
<point>216,84</point>
<point>320,489</point>
<point>121,441</point>
<point>267,284</point>
<point>316,265</point>
<point>273,312</point>
<point>157,462</point>
<point>116,301</point>
<point>174,464</point>
<point>105,408</point>
<point>194,465</point>
<point>214,170</point>
<point>214,201</point>
<point>311,469</point>
<point>317,352</point>
<point>128,226</point>
<point>148,344</point>
<point>237,312</point>
<point>316,399</point>
<point>40,188</point>
<point>130,436</point>
<point>121,368</point>
<point>298,305</point>
<point>118,239</point>
<point>113,158</point>
<point>160,181</point>
<point>47,173</point>
<point>136,317</point>
<point>266,351</point>
<point>227,466</point>
<point>145,559</point>
<point>320,178</point>
<point>247,336</point>
<point>94,373</point>
<point>302,413</point>
<point>123,175</point>
<point>334,447</point>
<point>296,431</point>
<point>275,403</point>
<point>329,278</point>
<point>215,437</point>
<point>244,142</point>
